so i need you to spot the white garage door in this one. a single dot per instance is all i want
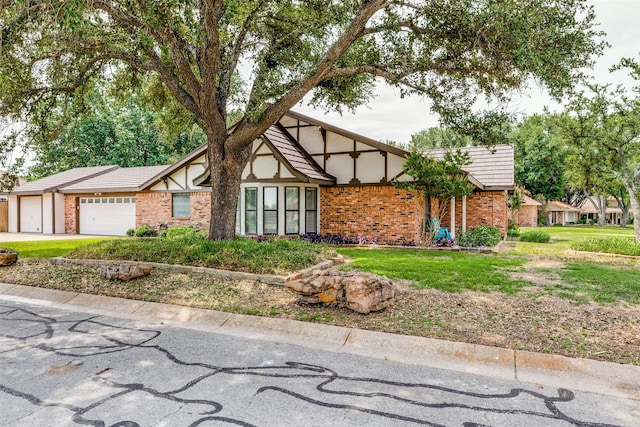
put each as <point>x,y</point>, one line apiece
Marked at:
<point>31,214</point>
<point>107,216</point>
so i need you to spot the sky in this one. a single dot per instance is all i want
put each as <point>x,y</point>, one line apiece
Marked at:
<point>388,117</point>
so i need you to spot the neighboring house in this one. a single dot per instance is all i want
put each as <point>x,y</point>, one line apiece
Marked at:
<point>303,176</point>
<point>562,213</point>
<point>588,211</point>
<point>528,212</point>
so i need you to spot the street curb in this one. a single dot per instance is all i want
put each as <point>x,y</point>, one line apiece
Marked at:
<point>536,368</point>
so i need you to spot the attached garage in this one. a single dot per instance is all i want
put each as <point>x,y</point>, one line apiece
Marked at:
<point>31,214</point>
<point>107,216</point>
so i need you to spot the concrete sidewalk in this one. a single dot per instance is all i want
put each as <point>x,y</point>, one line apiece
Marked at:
<point>535,368</point>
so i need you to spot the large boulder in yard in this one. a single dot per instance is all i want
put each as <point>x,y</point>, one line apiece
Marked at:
<point>123,272</point>
<point>7,257</point>
<point>361,292</point>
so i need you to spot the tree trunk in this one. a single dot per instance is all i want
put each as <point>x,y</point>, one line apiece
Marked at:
<point>624,216</point>
<point>635,208</point>
<point>226,175</point>
<point>601,207</point>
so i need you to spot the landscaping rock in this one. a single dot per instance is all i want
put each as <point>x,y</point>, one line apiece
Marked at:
<point>361,292</point>
<point>7,257</point>
<point>123,272</point>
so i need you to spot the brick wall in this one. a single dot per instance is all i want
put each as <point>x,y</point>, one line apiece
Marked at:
<point>528,216</point>
<point>392,215</point>
<point>70,209</point>
<point>483,208</point>
<point>155,208</point>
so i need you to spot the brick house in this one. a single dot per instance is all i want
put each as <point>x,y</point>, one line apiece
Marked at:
<point>303,176</point>
<point>527,215</point>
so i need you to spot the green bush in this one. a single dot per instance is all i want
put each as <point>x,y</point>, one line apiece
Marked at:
<point>514,231</point>
<point>484,235</point>
<point>175,232</point>
<point>145,231</point>
<point>608,245</point>
<point>131,232</point>
<point>557,224</point>
<point>535,236</point>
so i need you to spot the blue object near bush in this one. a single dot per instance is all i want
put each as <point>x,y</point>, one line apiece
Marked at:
<point>439,232</point>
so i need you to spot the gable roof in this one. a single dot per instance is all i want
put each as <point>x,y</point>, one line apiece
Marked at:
<point>491,168</point>
<point>299,161</point>
<point>116,180</point>
<point>556,205</point>
<point>289,152</point>
<point>348,134</point>
<point>528,201</point>
<point>56,182</point>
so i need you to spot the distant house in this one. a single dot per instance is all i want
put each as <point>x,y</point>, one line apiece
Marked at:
<point>589,211</point>
<point>303,176</point>
<point>562,213</point>
<point>528,212</point>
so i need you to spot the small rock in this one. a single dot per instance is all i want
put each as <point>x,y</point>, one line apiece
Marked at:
<point>7,257</point>
<point>123,272</point>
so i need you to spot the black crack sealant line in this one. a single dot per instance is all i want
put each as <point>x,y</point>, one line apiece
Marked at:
<point>315,385</point>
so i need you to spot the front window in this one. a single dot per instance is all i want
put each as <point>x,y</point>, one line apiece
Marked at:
<point>292,210</point>
<point>251,210</point>
<point>311,210</point>
<point>180,205</point>
<point>270,210</point>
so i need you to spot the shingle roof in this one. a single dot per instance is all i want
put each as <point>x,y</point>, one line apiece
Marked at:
<point>492,168</point>
<point>62,179</point>
<point>556,205</point>
<point>297,158</point>
<point>118,180</point>
<point>530,202</point>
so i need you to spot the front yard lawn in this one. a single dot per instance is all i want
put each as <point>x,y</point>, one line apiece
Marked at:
<point>50,248</point>
<point>443,270</point>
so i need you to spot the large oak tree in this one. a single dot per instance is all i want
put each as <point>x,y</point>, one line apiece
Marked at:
<point>264,56</point>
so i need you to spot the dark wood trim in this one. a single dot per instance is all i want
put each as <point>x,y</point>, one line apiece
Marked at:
<point>18,218</point>
<point>78,214</point>
<point>53,213</point>
<point>345,152</point>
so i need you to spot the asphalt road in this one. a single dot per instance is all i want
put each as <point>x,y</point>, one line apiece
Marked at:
<point>61,367</point>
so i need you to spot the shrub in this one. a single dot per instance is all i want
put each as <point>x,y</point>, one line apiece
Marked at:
<point>483,235</point>
<point>145,231</point>
<point>131,232</point>
<point>557,224</point>
<point>172,233</point>
<point>331,239</point>
<point>535,236</point>
<point>514,231</point>
<point>609,245</point>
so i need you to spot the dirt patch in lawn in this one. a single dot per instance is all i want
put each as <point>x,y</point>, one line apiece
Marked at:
<point>527,321</point>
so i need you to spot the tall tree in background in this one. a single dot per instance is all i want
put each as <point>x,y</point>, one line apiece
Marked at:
<point>539,153</point>
<point>110,132</point>
<point>437,137</point>
<point>451,51</point>
<point>603,125</point>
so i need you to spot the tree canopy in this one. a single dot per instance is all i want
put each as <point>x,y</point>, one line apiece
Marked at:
<point>602,123</point>
<point>263,56</point>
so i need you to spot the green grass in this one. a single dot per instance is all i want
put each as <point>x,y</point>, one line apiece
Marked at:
<point>447,271</point>
<point>603,283</point>
<point>276,256</point>
<point>49,248</point>
<point>609,245</point>
<point>563,237</point>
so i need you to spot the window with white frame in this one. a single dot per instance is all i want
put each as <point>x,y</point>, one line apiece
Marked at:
<point>292,210</point>
<point>270,210</point>
<point>251,210</point>
<point>181,205</point>
<point>311,210</point>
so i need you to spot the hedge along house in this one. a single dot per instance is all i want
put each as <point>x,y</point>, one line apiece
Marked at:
<point>303,176</point>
